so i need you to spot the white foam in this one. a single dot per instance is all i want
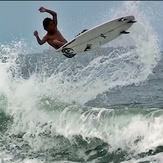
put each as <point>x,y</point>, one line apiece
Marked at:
<point>81,83</point>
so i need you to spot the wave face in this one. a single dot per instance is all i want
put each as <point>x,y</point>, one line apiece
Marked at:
<point>102,106</point>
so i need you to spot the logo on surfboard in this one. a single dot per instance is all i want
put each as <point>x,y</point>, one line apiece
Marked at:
<point>102,35</point>
<point>68,50</point>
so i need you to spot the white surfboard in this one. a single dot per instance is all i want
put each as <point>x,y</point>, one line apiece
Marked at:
<point>97,36</point>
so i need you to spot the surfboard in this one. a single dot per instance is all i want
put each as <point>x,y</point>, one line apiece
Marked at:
<point>97,36</point>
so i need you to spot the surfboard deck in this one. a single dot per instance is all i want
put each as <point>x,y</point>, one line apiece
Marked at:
<point>97,36</point>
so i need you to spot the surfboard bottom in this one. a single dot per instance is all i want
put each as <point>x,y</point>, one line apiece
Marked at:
<point>97,36</point>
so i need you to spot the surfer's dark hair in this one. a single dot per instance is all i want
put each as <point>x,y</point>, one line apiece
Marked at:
<point>46,22</point>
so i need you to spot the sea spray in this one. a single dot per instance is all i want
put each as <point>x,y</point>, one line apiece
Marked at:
<point>49,119</point>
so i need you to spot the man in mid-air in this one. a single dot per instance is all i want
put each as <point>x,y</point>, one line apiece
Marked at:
<point>53,36</point>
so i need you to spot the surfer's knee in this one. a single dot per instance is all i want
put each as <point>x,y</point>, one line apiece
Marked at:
<point>57,44</point>
<point>55,41</point>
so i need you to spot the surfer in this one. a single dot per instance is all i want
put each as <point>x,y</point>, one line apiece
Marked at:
<point>53,36</point>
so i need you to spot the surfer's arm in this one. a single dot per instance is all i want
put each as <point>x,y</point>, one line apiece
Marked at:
<point>40,41</point>
<point>53,13</point>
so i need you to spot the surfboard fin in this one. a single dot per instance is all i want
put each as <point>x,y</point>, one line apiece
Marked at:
<point>124,32</point>
<point>122,19</point>
<point>69,55</point>
<point>88,47</point>
<point>132,21</point>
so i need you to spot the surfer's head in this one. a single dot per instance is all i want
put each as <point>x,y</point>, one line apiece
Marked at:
<point>48,24</point>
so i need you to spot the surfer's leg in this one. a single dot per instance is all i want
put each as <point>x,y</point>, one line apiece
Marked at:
<point>57,44</point>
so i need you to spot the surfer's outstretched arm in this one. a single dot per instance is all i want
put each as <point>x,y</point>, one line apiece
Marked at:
<point>53,13</point>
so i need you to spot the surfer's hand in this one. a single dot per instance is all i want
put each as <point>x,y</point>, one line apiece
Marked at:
<point>42,9</point>
<point>35,33</point>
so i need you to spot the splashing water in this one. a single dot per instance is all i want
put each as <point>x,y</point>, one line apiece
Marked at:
<point>75,81</point>
<point>98,71</point>
<point>49,103</point>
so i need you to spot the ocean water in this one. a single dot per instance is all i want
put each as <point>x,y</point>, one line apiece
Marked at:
<point>105,106</point>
